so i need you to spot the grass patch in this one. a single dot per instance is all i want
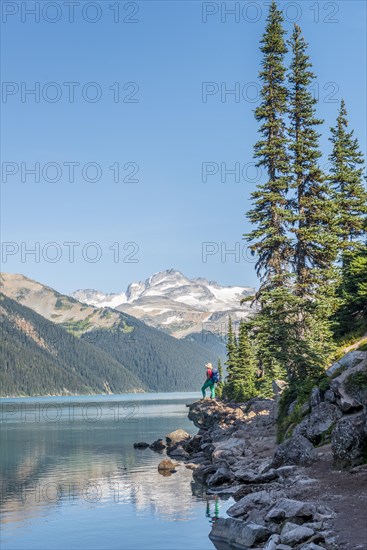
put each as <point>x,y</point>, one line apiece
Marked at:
<point>60,304</point>
<point>356,386</point>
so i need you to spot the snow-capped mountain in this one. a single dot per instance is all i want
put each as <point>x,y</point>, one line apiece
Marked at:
<point>175,303</point>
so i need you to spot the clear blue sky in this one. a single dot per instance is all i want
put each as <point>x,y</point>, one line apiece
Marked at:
<point>169,52</point>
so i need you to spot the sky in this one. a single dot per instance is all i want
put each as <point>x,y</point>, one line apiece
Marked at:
<point>133,153</point>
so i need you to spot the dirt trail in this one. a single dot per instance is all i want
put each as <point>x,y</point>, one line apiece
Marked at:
<point>346,493</point>
<point>356,344</point>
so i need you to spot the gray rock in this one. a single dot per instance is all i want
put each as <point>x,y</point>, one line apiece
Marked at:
<point>260,499</point>
<point>319,422</point>
<point>238,533</point>
<point>349,360</point>
<point>350,399</point>
<point>248,476</point>
<point>286,471</point>
<point>222,475</point>
<point>315,398</point>
<point>295,450</point>
<point>311,546</point>
<point>329,396</point>
<point>289,508</point>
<point>305,408</point>
<point>204,471</point>
<point>304,481</point>
<point>272,542</point>
<point>141,445</point>
<point>283,547</point>
<point>289,526</point>
<point>297,535</point>
<point>349,441</point>
<point>157,445</point>
<point>178,452</point>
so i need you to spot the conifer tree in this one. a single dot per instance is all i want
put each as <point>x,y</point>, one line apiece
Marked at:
<point>313,208</point>
<point>271,214</point>
<point>270,240</point>
<point>346,176</point>
<point>245,373</point>
<point>219,388</point>
<point>313,223</point>
<point>231,346</point>
<point>352,313</point>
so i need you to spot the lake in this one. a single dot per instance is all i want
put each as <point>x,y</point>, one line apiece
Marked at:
<point>71,478</point>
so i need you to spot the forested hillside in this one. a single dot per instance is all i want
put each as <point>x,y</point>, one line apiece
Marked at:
<point>96,350</point>
<point>40,358</point>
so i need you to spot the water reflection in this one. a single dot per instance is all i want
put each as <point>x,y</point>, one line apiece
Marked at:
<point>90,468</point>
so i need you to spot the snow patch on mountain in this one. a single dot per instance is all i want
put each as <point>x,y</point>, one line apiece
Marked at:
<point>175,303</point>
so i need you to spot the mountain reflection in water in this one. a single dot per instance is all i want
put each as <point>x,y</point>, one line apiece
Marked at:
<point>71,478</point>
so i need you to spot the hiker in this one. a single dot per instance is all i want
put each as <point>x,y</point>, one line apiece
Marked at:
<point>212,377</point>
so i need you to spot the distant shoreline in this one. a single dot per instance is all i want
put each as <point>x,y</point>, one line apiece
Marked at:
<point>142,395</point>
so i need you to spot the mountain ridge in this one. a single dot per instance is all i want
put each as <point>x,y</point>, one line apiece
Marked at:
<point>172,302</point>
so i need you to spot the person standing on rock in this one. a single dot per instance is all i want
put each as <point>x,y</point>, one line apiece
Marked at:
<point>211,379</point>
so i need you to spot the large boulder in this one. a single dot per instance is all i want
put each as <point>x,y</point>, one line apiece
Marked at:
<point>222,475</point>
<point>238,533</point>
<point>349,441</point>
<point>210,413</point>
<point>177,437</point>
<point>205,414</point>
<point>287,508</point>
<point>296,450</point>
<point>296,535</point>
<point>260,499</point>
<point>167,464</point>
<point>348,361</point>
<point>350,387</point>
<point>317,425</point>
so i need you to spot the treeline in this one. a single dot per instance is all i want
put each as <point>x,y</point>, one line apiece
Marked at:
<point>309,232</point>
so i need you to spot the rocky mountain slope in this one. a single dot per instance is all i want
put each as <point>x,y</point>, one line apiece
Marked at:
<point>157,360</point>
<point>176,304</point>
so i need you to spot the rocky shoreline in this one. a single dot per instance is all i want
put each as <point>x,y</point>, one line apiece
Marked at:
<point>287,496</point>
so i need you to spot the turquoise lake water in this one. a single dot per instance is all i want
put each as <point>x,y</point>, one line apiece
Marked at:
<point>71,479</point>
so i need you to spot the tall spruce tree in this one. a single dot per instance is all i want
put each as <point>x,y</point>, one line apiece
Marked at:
<point>271,214</point>
<point>313,221</point>
<point>346,176</point>
<point>313,208</point>
<point>270,240</point>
